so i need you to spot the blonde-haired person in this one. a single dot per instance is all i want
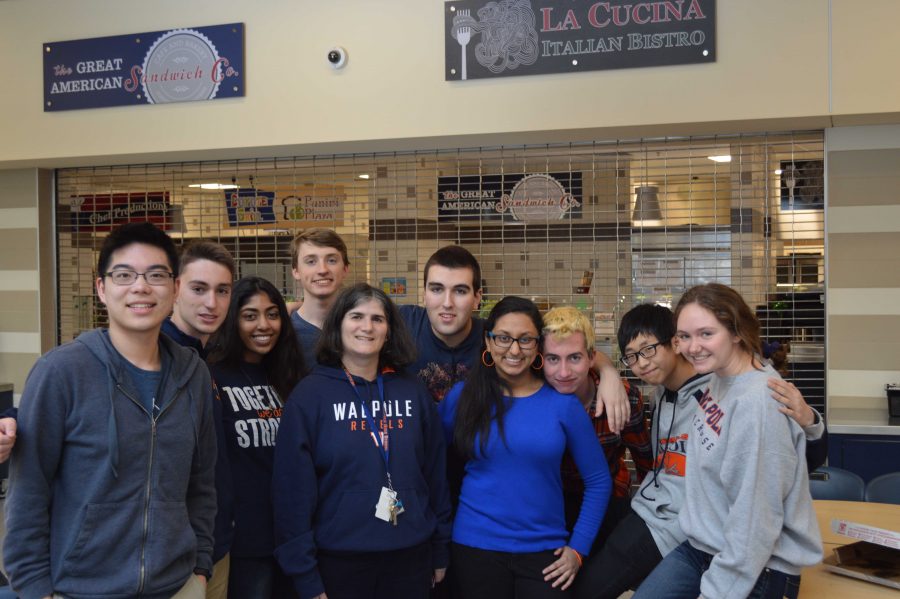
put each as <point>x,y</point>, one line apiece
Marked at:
<point>748,514</point>
<point>568,347</point>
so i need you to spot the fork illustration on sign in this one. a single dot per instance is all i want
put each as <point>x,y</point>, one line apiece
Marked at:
<point>463,35</point>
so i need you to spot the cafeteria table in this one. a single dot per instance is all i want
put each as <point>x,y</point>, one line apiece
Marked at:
<point>819,583</point>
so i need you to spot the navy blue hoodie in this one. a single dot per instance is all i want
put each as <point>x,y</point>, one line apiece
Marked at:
<point>437,364</point>
<point>251,412</point>
<point>329,473</point>
<point>105,500</point>
<point>223,532</point>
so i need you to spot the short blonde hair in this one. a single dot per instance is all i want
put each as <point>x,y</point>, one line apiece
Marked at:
<point>565,321</point>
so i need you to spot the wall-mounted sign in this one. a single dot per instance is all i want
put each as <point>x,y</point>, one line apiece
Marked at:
<point>394,286</point>
<point>533,37</point>
<point>249,207</point>
<point>510,197</point>
<point>101,212</point>
<point>802,185</point>
<point>312,206</point>
<point>180,65</point>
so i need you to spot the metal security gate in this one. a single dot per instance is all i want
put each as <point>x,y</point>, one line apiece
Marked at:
<point>601,226</point>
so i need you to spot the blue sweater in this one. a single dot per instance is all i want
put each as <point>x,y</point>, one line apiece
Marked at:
<point>251,411</point>
<point>437,364</point>
<point>512,498</point>
<point>106,501</point>
<point>329,473</point>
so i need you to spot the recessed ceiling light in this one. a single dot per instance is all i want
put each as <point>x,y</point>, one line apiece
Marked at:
<point>214,186</point>
<point>725,158</point>
<point>777,171</point>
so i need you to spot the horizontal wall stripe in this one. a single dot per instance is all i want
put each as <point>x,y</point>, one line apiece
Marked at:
<point>860,192</point>
<point>860,383</point>
<point>869,301</point>
<point>871,274</point>
<point>864,163</point>
<point>18,249</point>
<point>19,189</point>
<point>839,402</point>
<point>14,368</point>
<point>19,280</point>
<point>29,343</point>
<point>864,328</point>
<point>18,218</point>
<point>863,342</point>
<point>864,138</point>
<point>19,312</point>
<point>864,219</point>
<point>863,260</point>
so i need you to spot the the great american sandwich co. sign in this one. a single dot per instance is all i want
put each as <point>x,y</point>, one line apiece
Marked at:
<point>158,67</point>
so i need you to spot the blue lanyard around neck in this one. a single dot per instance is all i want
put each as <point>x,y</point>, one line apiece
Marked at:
<point>383,448</point>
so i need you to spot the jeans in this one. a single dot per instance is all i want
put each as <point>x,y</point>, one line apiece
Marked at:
<point>258,577</point>
<point>483,574</point>
<point>678,577</point>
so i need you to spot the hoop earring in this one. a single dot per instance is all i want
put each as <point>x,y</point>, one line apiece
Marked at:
<point>541,356</point>
<point>484,358</point>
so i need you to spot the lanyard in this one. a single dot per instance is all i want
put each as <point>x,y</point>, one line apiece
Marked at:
<point>384,448</point>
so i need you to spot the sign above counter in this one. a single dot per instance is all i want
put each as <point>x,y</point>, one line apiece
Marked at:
<point>536,37</point>
<point>159,67</point>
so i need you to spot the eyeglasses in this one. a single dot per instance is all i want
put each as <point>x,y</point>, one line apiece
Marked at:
<point>525,341</point>
<point>128,277</point>
<point>646,352</point>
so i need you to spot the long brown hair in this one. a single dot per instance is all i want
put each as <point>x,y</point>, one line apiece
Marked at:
<point>730,309</point>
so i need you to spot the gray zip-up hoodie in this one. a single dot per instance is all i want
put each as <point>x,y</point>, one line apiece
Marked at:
<point>747,489</point>
<point>105,500</point>
<point>661,495</point>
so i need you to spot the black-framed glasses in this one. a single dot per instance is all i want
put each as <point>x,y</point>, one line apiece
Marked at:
<point>525,341</point>
<point>124,276</point>
<point>646,352</point>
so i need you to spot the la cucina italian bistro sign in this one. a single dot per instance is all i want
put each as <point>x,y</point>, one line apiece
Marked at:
<point>159,67</point>
<point>502,38</point>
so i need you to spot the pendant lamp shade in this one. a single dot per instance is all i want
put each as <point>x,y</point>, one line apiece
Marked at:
<point>646,203</point>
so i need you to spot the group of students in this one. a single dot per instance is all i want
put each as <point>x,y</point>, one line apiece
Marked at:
<point>370,450</point>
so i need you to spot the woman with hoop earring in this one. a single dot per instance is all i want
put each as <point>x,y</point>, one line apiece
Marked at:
<point>509,534</point>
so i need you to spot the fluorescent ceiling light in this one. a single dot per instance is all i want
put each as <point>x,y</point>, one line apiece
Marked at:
<point>777,171</point>
<point>214,185</point>
<point>363,176</point>
<point>725,158</point>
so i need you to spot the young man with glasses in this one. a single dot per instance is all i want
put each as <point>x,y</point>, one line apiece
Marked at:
<point>112,490</point>
<point>638,536</point>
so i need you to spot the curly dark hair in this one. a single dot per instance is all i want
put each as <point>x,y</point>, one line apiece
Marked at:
<point>398,350</point>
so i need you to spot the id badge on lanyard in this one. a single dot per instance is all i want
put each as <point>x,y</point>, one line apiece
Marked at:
<point>389,506</point>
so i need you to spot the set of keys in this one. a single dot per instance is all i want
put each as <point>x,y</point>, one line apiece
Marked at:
<point>396,509</point>
<point>389,506</point>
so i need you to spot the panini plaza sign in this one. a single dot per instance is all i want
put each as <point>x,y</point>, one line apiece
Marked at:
<point>535,37</point>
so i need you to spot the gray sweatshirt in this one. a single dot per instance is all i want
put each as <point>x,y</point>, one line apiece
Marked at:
<point>747,489</point>
<point>106,499</point>
<point>661,495</point>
